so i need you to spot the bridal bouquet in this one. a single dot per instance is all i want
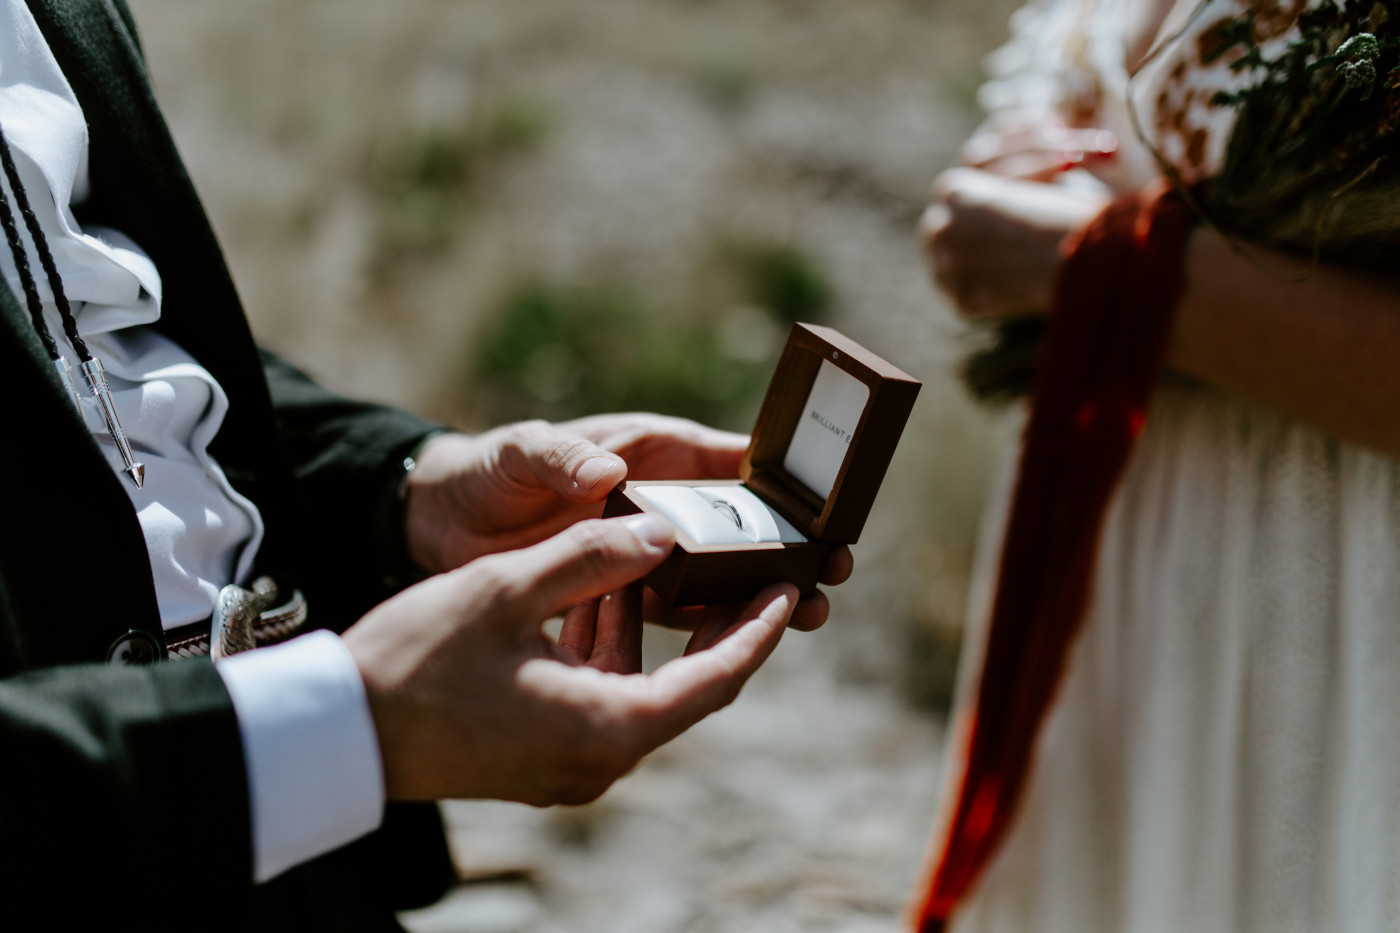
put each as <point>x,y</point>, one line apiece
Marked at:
<point>1313,163</point>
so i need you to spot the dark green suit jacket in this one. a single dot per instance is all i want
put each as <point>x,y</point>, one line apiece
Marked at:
<point>122,790</point>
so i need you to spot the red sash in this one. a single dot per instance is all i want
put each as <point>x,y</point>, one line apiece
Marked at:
<point>1111,314</point>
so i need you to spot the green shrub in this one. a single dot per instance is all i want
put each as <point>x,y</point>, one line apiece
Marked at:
<point>422,179</point>
<point>560,352</point>
<point>781,279</point>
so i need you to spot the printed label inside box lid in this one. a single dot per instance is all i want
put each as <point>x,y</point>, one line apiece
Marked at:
<point>823,435</point>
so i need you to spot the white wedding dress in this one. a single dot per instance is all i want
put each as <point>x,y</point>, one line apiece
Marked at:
<point>1224,751</point>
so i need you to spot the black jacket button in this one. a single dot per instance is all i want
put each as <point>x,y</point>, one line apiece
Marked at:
<point>135,647</point>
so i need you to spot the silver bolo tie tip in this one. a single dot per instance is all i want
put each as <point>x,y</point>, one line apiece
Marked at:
<point>65,375</point>
<point>97,381</point>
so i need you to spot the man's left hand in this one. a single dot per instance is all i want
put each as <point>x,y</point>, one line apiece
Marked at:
<point>520,484</point>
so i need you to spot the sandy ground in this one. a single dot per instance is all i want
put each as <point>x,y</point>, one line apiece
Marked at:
<point>802,807</point>
<point>651,130</point>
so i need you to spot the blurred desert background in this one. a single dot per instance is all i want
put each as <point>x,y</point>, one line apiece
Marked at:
<point>489,210</point>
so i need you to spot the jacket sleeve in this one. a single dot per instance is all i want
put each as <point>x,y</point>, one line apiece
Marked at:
<point>125,795</point>
<point>347,460</point>
<point>125,806</point>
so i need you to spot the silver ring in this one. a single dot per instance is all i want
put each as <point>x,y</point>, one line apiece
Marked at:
<point>728,507</point>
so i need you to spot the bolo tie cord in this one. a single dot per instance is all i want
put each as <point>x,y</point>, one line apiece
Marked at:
<point>91,366</point>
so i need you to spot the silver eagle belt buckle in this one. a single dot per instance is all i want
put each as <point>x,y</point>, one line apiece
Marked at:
<point>245,617</point>
<point>257,615</point>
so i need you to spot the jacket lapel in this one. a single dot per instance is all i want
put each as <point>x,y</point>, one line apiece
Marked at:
<point>73,568</point>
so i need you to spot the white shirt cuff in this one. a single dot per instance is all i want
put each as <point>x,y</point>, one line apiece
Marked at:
<point>315,779</point>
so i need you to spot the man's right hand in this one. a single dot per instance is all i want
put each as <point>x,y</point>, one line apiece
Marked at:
<point>471,698</point>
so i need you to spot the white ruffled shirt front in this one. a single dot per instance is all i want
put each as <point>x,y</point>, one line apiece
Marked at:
<point>309,742</point>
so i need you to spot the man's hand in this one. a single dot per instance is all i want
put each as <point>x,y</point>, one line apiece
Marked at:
<point>517,485</point>
<point>662,447</point>
<point>471,698</point>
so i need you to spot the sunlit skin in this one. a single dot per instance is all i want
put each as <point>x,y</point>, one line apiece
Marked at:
<point>1321,351</point>
<point>469,695</point>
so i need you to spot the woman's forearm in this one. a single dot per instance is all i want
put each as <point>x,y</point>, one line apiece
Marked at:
<point>1324,351</point>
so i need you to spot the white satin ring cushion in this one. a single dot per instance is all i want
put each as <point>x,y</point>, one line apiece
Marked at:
<point>720,514</point>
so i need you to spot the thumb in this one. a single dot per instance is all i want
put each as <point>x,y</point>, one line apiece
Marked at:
<point>585,561</point>
<point>562,461</point>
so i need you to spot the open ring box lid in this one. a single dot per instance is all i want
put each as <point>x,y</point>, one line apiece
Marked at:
<point>824,438</point>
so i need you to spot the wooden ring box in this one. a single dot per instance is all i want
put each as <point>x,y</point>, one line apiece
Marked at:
<point>833,415</point>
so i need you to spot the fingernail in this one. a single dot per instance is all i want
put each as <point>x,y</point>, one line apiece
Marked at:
<point>781,607</point>
<point>593,470</point>
<point>652,530</point>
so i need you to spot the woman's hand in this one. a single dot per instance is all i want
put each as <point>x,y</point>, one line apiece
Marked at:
<point>1038,150</point>
<point>994,242</point>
